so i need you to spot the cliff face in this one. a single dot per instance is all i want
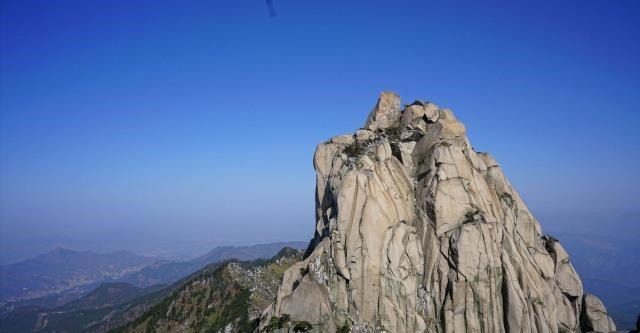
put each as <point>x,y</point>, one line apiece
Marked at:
<point>417,232</point>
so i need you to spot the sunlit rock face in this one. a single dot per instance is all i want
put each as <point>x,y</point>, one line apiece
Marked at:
<point>418,232</point>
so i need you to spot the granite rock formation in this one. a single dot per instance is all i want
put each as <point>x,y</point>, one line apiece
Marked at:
<point>418,232</point>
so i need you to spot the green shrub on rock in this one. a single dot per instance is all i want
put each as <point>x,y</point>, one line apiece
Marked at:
<point>302,326</point>
<point>344,328</point>
<point>277,323</point>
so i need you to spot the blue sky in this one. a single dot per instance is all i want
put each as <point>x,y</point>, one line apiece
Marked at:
<point>180,125</point>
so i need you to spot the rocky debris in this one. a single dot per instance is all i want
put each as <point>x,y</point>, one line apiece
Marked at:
<point>418,232</point>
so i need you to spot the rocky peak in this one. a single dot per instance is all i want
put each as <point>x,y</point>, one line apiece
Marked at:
<point>386,113</point>
<point>417,232</point>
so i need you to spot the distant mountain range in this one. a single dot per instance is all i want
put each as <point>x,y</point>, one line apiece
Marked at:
<point>64,283</point>
<point>62,269</point>
<point>114,305</point>
<point>106,307</point>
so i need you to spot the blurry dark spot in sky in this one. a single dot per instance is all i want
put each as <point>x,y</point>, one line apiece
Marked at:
<point>271,8</point>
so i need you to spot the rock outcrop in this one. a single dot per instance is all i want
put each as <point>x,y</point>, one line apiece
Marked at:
<point>418,232</point>
<point>594,315</point>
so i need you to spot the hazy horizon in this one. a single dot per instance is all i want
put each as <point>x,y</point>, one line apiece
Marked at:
<point>176,127</point>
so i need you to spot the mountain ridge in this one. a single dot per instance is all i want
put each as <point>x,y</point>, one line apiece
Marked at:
<point>225,297</point>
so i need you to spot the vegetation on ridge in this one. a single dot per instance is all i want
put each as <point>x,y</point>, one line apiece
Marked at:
<point>226,298</point>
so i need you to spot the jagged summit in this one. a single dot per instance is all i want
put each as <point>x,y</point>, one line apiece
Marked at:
<point>417,232</point>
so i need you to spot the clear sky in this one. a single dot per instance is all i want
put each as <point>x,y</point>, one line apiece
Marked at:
<point>182,125</point>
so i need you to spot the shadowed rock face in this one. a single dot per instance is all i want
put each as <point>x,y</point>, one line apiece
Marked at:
<point>417,232</point>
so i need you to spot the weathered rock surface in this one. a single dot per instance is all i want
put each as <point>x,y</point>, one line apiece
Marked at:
<point>417,232</point>
<point>386,113</point>
<point>594,316</point>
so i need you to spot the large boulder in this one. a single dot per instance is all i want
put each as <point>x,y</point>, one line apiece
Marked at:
<point>386,113</point>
